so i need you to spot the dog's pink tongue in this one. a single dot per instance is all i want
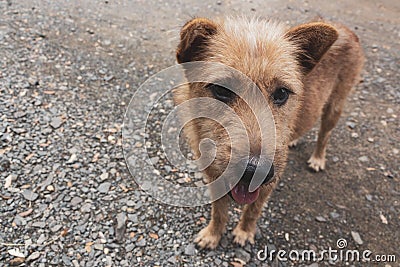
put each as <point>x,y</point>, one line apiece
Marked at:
<point>241,194</point>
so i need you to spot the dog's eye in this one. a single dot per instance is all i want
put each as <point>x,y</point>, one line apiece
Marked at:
<point>280,96</point>
<point>221,93</point>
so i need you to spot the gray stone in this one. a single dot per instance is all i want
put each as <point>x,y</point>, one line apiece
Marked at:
<point>66,260</point>
<point>224,242</point>
<point>130,203</point>
<point>108,78</point>
<point>154,160</point>
<point>98,246</point>
<point>34,256</point>
<point>19,114</point>
<point>172,260</point>
<point>104,176</point>
<point>41,239</point>
<point>56,122</point>
<point>242,254</point>
<point>72,159</point>
<point>134,218</point>
<point>75,201</point>
<point>4,164</point>
<point>56,228</point>
<point>39,224</point>
<point>30,195</point>
<point>334,215</point>
<point>19,130</point>
<point>121,219</point>
<point>190,250</point>
<point>120,226</point>
<point>86,207</point>
<point>130,247</point>
<point>357,238</point>
<point>350,124</point>
<point>141,243</point>
<point>368,197</point>
<point>20,221</point>
<point>104,187</point>
<point>167,168</point>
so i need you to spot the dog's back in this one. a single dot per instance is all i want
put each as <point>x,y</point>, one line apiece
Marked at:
<point>331,79</point>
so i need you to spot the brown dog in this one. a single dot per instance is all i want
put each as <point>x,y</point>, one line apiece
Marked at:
<point>304,73</point>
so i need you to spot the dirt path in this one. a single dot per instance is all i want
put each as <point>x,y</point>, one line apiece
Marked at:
<point>98,53</point>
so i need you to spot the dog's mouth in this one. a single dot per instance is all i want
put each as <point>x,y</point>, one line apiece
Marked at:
<point>240,193</point>
<point>261,171</point>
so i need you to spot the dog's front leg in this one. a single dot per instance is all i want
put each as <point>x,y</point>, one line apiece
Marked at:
<point>246,228</point>
<point>209,237</point>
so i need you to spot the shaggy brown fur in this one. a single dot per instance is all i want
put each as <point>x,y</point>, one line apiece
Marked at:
<point>317,61</point>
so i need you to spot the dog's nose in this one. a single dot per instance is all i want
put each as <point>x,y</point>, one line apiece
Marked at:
<point>256,168</point>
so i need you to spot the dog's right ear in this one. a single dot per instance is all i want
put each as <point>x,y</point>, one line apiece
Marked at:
<point>313,40</point>
<point>194,36</point>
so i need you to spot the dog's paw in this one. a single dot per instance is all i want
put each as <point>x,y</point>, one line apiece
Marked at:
<point>242,236</point>
<point>293,143</point>
<point>317,164</point>
<point>207,239</point>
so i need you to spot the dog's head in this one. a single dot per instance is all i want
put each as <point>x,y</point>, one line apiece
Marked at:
<point>276,60</point>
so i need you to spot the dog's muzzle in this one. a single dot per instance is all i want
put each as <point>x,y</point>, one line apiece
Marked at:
<point>255,168</point>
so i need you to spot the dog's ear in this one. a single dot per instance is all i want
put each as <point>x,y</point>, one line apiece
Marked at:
<point>194,36</point>
<point>313,39</point>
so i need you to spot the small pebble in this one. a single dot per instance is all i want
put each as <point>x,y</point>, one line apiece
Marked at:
<point>56,122</point>
<point>72,159</point>
<point>104,176</point>
<point>30,195</point>
<point>354,135</point>
<point>320,219</point>
<point>334,215</point>
<point>141,243</point>
<point>75,201</point>
<point>350,124</point>
<point>172,260</point>
<point>357,238</point>
<point>34,256</point>
<point>242,255</point>
<point>98,246</point>
<point>104,187</point>
<point>190,249</point>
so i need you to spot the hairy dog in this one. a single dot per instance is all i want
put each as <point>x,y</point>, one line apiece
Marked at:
<point>304,73</point>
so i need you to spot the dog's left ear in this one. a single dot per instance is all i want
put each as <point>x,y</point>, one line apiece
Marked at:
<point>313,39</point>
<point>194,36</point>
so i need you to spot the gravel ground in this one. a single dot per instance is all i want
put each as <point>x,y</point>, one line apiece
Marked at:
<point>67,73</point>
